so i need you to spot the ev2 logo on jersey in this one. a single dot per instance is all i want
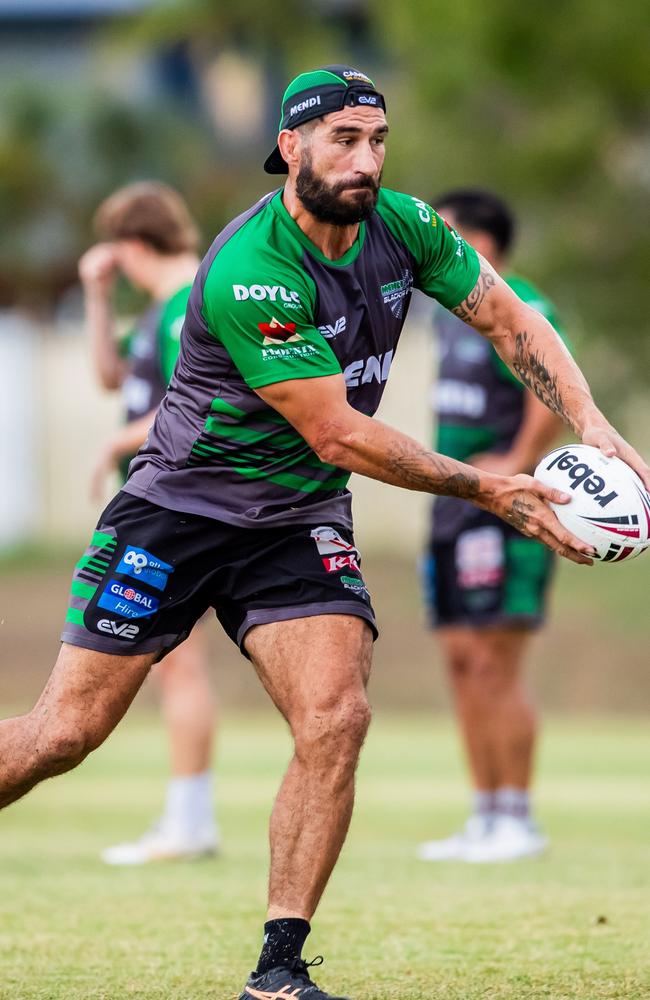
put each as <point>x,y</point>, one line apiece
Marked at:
<point>330,330</point>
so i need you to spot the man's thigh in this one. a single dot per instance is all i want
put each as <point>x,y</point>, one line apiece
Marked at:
<point>89,691</point>
<point>308,664</point>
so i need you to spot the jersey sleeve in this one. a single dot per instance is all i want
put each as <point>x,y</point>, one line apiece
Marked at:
<point>169,331</point>
<point>264,317</point>
<point>446,266</point>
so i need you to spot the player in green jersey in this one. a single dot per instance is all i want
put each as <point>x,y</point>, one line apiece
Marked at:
<point>485,584</point>
<point>239,500</point>
<point>148,235</point>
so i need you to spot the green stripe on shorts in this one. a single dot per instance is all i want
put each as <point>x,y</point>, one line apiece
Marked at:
<point>528,571</point>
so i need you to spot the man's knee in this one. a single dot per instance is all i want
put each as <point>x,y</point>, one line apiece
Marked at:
<point>61,746</point>
<point>335,731</point>
<point>484,674</point>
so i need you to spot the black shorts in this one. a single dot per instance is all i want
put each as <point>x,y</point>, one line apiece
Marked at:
<point>488,574</point>
<point>150,573</point>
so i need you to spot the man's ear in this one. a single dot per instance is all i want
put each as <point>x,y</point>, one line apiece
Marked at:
<point>289,142</point>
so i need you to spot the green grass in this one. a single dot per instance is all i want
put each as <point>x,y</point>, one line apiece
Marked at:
<point>571,925</point>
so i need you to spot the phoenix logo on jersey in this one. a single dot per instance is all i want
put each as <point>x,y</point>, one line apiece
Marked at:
<point>277,332</point>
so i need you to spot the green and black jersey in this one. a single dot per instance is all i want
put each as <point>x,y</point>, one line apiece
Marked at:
<point>478,402</point>
<point>267,306</point>
<point>151,351</point>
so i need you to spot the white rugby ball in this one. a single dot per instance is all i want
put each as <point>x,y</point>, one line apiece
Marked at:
<point>610,506</point>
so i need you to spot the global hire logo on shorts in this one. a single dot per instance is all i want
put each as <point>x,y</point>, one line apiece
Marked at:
<point>126,601</point>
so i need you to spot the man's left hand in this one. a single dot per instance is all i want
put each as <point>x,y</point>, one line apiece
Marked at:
<point>602,435</point>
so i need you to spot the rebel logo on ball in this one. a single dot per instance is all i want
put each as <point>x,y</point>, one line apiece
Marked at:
<point>581,474</point>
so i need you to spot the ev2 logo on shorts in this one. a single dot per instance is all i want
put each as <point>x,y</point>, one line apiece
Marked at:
<point>122,630</point>
<point>145,567</point>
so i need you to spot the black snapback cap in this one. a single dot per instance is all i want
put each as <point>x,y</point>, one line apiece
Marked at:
<point>319,92</point>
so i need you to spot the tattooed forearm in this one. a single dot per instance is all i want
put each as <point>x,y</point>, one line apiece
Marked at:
<point>469,307</point>
<point>418,469</point>
<point>530,367</point>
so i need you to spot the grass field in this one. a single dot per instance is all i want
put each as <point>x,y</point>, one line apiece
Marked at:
<point>571,925</point>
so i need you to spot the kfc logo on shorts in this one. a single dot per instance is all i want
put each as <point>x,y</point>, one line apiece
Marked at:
<point>336,554</point>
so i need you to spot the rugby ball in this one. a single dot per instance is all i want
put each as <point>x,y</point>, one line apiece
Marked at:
<point>610,506</point>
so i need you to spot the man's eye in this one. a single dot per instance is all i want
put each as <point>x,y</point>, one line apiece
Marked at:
<point>345,142</point>
<point>379,140</point>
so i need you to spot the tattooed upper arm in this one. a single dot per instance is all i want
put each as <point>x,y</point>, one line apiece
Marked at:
<point>467,310</point>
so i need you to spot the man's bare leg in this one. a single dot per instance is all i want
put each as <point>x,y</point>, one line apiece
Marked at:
<point>188,705</point>
<point>499,730</point>
<point>497,720</point>
<point>85,697</point>
<point>315,670</point>
<point>187,826</point>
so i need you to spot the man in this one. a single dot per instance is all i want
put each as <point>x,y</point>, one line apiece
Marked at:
<point>148,235</point>
<point>240,496</point>
<point>486,584</point>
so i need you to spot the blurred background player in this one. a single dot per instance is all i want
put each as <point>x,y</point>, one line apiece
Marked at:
<point>486,584</point>
<point>148,235</point>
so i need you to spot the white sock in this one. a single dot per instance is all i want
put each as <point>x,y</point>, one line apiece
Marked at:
<point>189,804</point>
<point>484,803</point>
<point>513,802</point>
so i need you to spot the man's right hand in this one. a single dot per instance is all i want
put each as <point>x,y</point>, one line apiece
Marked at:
<point>523,502</point>
<point>97,268</point>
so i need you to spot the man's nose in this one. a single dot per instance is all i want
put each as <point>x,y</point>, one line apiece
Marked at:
<point>364,160</point>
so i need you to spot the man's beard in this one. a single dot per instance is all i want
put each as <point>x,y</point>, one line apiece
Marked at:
<point>324,200</point>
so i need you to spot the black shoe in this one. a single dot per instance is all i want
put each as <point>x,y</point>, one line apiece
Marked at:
<point>286,981</point>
